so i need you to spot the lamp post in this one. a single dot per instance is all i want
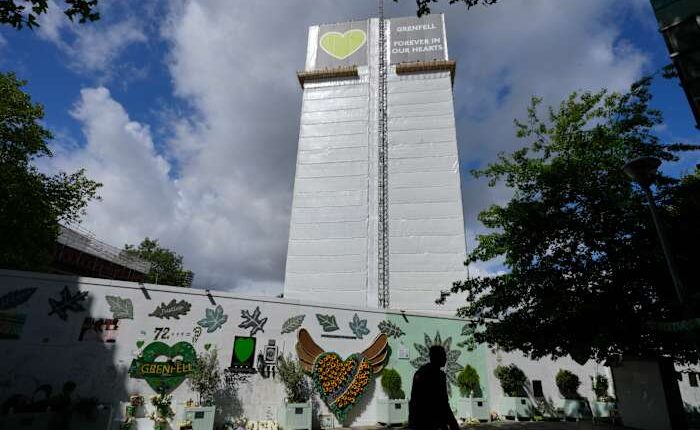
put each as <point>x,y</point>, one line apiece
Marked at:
<point>643,170</point>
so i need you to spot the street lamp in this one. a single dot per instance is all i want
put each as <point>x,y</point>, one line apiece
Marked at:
<point>643,170</point>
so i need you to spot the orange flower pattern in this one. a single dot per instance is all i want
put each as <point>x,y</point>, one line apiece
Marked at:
<point>341,382</point>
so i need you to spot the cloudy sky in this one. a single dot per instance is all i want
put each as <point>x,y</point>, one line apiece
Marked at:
<point>188,112</point>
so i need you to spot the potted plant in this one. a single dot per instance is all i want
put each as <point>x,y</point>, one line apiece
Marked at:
<point>205,379</point>
<point>163,412</point>
<point>297,408</point>
<point>514,404</point>
<point>136,407</point>
<point>393,410</point>
<point>470,388</point>
<point>605,404</point>
<point>574,405</point>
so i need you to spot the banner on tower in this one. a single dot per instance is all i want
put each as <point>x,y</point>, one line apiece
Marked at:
<point>417,39</point>
<point>343,44</point>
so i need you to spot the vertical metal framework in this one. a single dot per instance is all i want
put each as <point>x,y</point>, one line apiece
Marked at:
<point>382,176</point>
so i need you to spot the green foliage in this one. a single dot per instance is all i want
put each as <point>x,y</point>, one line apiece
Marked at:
<point>600,388</point>
<point>295,381</point>
<point>423,6</point>
<point>568,384</point>
<point>166,265</point>
<point>32,203</point>
<point>576,238</point>
<point>206,377</point>
<point>468,382</point>
<point>18,14</point>
<point>391,384</point>
<point>512,380</point>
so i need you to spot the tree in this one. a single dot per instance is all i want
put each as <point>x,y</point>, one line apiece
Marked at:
<point>584,273</point>
<point>18,14</point>
<point>166,265</point>
<point>32,203</point>
<point>423,6</point>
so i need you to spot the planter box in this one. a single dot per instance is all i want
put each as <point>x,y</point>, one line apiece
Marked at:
<point>516,407</point>
<point>575,409</point>
<point>391,412</point>
<point>202,417</point>
<point>297,416</point>
<point>477,407</point>
<point>603,409</point>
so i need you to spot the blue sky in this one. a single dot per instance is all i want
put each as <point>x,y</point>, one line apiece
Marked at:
<point>187,111</point>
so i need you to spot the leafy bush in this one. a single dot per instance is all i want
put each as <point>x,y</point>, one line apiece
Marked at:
<point>205,379</point>
<point>295,380</point>
<point>600,388</point>
<point>512,380</point>
<point>568,384</point>
<point>468,382</point>
<point>391,383</point>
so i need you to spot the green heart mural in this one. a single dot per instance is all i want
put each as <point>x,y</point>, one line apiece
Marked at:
<point>164,376</point>
<point>243,353</point>
<point>341,383</point>
<point>342,45</point>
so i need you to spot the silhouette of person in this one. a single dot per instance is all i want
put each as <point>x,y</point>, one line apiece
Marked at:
<point>429,408</point>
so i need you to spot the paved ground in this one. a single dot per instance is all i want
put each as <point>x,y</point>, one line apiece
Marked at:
<point>526,425</point>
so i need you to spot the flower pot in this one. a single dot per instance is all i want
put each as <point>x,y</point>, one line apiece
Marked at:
<point>603,409</point>
<point>297,416</point>
<point>478,408</point>
<point>202,417</point>
<point>392,412</point>
<point>516,407</point>
<point>574,408</point>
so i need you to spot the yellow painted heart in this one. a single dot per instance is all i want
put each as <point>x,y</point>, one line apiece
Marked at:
<point>342,45</point>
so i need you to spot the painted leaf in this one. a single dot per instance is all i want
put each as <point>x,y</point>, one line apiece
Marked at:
<point>253,321</point>
<point>328,322</point>
<point>390,329</point>
<point>214,319</point>
<point>174,309</point>
<point>292,324</point>
<point>67,302</point>
<point>468,329</point>
<point>358,326</point>
<point>15,298</point>
<point>120,308</point>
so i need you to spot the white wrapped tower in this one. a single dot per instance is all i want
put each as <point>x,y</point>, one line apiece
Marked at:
<point>338,238</point>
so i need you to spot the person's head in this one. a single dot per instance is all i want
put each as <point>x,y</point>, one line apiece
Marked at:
<point>438,357</point>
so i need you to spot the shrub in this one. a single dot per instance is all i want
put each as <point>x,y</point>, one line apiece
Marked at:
<point>468,382</point>
<point>568,384</point>
<point>391,383</point>
<point>294,379</point>
<point>512,380</point>
<point>205,378</point>
<point>600,388</point>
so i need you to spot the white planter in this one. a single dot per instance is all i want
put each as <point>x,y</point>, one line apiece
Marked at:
<point>477,407</point>
<point>297,416</point>
<point>575,409</point>
<point>516,407</point>
<point>391,412</point>
<point>202,417</point>
<point>603,409</point>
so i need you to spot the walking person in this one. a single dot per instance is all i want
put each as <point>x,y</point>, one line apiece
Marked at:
<point>429,408</point>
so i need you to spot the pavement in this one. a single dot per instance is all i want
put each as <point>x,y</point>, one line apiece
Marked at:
<point>524,425</point>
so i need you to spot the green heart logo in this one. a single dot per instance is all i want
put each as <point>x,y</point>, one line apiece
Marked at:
<point>164,376</point>
<point>342,45</point>
<point>243,348</point>
<point>139,344</point>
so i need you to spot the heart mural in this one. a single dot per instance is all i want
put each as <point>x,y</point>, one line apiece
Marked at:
<point>164,376</point>
<point>342,45</point>
<point>341,383</point>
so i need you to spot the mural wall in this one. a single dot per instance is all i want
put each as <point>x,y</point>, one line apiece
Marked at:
<point>114,338</point>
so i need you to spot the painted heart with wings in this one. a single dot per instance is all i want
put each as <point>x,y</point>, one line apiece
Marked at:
<point>341,383</point>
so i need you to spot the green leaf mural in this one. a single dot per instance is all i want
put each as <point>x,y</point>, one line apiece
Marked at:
<point>213,319</point>
<point>359,326</point>
<point>292,324</point>
<point>328,322</point>
<point>15,298</point>
<point>120,308</point>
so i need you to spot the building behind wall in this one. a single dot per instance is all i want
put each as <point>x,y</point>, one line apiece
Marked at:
<point>338,238</point>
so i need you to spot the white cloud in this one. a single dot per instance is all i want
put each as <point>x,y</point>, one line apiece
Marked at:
<point>234,63</point>
<point>94,46</point>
